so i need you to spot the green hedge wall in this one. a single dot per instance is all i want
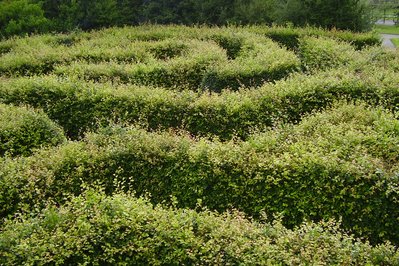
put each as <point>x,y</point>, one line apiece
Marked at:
<point>203,66</point>
<point>254,64</point>
<point>337,164</point>
<point>290,36</point>
<point>96,229</point>
<point>203,118</point>
<point>184,71</point>
<point>23,129</point>
<point>207,58</point>
<point>319,53</point>
<point>78,106</point>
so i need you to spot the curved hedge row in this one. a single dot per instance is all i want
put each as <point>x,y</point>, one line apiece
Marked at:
<point>319,53</point>
<point>23,129</point>
<point>290,37</point>
<point>255,63</point>
<point>78,106</point>
<point>253,58</point>
<point>185,71</point>
<point>338,164</point>
<point>203,66</point>
<point>96,229</point>
<point>193,57</point>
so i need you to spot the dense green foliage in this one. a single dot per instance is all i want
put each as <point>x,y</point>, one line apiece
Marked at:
<point>22,130</point>
<point>80,106</point>
<point>95,229</point>
<point>201,59</point>
<point>344,14</point>
<point>289,126</point>
<point>323,53</point>
<point>197,57</point>
<point>290,36</point>
<point>21,16</point>
<point>337,164</point>
<point>27,16</point>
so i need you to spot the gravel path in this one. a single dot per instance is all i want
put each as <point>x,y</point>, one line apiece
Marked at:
<point>387,22</point>
<point>386,38</point>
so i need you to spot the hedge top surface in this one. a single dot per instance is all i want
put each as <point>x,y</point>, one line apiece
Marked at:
<point>219,85</point>
<point>97,229</point>
<point>170,56</point>
<point>22,130</point>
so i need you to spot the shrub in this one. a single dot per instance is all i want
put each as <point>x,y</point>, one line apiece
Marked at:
<point>287,36</point>
<point>168,49</point>
<point>23,130</point>
<point>323,53</point>
<point>379,58</point>
<point>184,71</point>
<point>202,65</point>
<point>181,57</point>
<point>79,106</point>
<point>19,17</point>
<point>97,54</point>
<point>290,36</point>
<point>40,54</point>
<point>229,41</point>
<point>33,55</point>
<point>98,229</point>
<point>5,47</point>
<point>259,60</point>
<point>340,164</point>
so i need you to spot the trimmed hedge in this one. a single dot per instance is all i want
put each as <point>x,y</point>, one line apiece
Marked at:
<point>319,53</point>
<point>182,71</point>
<point>259,60</point>
<point>96,229</point>
<point>290,36</point>
<point>39,54</point>
<point>379,58</point>
<point>23,130</point>
<point>204,65</point>
<point>338,164</point>
<point>5,47</point>
<point>79,106</point>
<point>176,57</point>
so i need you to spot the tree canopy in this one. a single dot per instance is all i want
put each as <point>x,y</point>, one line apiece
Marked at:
<point>27,16</point>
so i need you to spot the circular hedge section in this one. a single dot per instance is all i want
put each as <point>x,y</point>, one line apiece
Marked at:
<point>23,129</point>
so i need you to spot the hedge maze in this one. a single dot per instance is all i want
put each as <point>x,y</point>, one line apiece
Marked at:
<point>197,145</point>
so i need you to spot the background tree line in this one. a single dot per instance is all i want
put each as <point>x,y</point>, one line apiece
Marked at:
<point>28,16</point>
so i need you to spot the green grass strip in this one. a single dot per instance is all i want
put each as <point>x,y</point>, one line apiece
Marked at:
<point>387,29</point>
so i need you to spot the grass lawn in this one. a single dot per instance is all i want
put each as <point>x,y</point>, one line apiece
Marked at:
<point>387,29</point>
<point>395,42</point>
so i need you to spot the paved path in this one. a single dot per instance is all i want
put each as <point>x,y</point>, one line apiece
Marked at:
<point>387,22</point>
<point>386,40</point>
